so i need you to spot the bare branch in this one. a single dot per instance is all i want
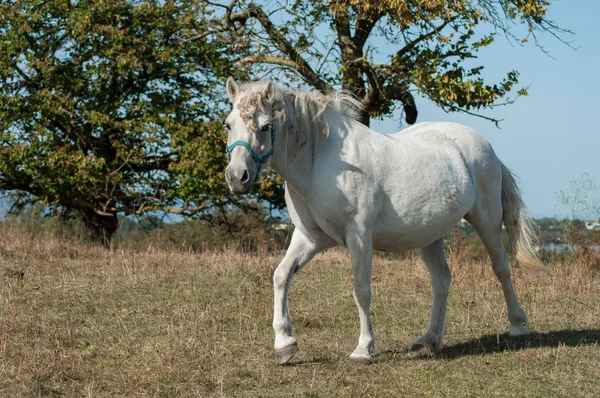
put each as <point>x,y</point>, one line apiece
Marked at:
<point>196,37</point>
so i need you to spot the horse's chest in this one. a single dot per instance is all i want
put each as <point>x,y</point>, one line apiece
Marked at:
<point>330,221</point>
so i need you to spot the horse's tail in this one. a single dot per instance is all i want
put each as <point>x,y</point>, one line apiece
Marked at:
<point>518,223</point>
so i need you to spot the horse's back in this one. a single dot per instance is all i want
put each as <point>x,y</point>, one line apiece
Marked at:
<point>446,133</point>
<point>475,150</point>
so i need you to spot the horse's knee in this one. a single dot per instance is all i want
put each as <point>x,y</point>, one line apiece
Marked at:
<point>280,277</point>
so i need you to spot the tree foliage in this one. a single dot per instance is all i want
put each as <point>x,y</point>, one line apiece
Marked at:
<point>112,107</point>
<point>424,46</point>
<point>109,106</point>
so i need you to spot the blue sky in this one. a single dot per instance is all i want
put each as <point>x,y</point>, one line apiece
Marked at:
<point>552,136</point>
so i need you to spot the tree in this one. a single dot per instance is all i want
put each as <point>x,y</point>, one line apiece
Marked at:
<point>329,44</point>
<point>109,107</point>
<point>581,199</point>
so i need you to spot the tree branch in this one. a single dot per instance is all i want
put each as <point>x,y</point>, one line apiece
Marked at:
<point>301,65</point>
<point>364,26</point>
<point>152,163</point>
<point>425,36</point>
<point>265,59</point>
<point>374,90</point>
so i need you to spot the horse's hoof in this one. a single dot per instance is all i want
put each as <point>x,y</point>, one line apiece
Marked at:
<point>518,330</point>
<point>360,361</point>
<point>285,354</point>
<point>420,350</point>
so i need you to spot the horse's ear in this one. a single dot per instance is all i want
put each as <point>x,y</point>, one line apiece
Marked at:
<point>268,93</point>
<point>232,89</point>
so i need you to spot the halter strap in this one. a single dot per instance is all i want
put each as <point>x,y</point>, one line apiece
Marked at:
<point>260,160</point>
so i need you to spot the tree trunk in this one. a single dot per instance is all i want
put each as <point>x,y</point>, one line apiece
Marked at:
<point>101,227</point>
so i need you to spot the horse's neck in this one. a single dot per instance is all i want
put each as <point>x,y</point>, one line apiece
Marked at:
<point>296,171</point>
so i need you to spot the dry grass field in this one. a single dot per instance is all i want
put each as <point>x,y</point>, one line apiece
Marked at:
<point>78,320</point>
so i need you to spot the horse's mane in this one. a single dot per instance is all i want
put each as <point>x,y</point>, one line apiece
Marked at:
<point>299,113</point>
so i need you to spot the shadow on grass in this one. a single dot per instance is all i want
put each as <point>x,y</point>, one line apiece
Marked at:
<point>495,343</point>
<point>503,342</point>
<point>307,362</point>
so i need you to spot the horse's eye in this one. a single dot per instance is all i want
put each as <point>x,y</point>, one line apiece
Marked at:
<point>227,127</point>
<point>266,127</point>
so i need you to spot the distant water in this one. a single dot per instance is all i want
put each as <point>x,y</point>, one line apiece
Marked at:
<point>562,247</point>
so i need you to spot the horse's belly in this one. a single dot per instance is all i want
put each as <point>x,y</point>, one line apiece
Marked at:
<point>415,220</point>
<point>411,237</point>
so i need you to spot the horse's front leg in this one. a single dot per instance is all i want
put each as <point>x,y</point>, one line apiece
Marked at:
<point>360,245</point>
<point>300,252</point>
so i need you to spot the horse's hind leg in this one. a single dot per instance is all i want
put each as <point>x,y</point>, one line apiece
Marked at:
<point>435,260</point>
<point>488,225</point>
<point>360,246</point>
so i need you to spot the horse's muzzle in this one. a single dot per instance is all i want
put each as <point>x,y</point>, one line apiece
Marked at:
<point>239,180</point>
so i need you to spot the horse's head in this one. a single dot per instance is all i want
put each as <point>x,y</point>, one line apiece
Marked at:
<point>251,138</point>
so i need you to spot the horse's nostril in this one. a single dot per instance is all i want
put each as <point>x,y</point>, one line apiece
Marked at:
<point>245,177</point>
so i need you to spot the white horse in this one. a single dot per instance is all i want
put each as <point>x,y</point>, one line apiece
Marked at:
<point>349,185</point>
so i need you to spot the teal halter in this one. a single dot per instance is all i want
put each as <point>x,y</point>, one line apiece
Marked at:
<point>260,160</point>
